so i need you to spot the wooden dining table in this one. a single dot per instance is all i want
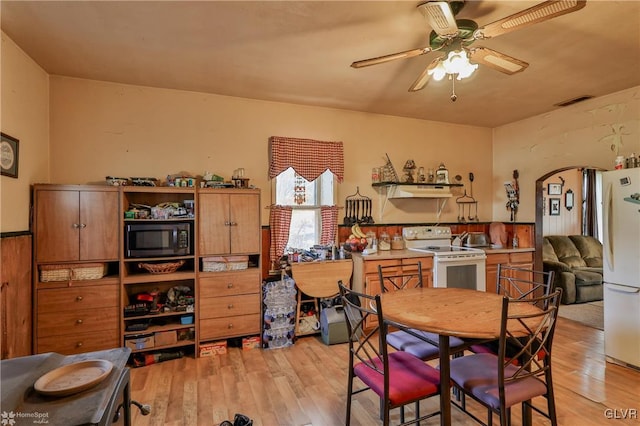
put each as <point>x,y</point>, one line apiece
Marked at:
<point>449,312</point>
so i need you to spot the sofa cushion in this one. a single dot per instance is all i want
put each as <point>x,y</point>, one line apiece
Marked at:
<point>590,249</point>
<point>585,278</point>
<point>548,255</point>
<point>566,251</point>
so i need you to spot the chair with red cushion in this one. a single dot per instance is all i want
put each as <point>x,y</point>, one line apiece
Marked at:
<point>419,343</point>
<point>398,378</point>
<point>495,382</point>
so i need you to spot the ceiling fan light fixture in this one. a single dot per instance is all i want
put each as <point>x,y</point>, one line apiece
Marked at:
<point>457,63</point>
<point>438,72</point>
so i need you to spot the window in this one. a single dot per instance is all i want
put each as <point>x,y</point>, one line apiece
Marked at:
<point>305,199</point>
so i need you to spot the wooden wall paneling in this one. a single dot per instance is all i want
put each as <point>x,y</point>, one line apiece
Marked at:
<point>16,299</point>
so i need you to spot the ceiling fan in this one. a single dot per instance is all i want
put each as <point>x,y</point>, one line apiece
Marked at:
<point>455,37</point>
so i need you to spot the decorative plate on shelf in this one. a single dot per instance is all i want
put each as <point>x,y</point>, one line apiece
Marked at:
<point>73,378</point>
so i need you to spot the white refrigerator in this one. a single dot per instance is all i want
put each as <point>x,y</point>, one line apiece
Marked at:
<point>621,265</point>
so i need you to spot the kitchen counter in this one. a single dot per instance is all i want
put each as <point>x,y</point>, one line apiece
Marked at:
<point>391,254</point>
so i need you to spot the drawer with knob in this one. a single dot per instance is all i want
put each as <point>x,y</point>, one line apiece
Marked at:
<point>77,321</point>
<point>218,328</point>
<point>217,284</point>
<point>73,298</point>
<point>79,342</point>
<point>227,306</point>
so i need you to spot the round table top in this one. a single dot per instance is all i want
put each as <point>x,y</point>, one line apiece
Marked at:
<point>449,311</point>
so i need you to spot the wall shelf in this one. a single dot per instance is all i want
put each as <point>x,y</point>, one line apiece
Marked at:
<point>422,190</point>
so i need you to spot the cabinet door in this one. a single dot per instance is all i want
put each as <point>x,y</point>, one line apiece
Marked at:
<point>245,223</point>
<point>57,226</point>
<point>99,225</point>
<point>213,211</point>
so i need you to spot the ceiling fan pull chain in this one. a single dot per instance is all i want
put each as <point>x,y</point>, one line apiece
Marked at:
<point>454,97</point>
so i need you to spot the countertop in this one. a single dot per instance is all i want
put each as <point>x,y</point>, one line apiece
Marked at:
<point>392,254</point>
<point>403,254</point>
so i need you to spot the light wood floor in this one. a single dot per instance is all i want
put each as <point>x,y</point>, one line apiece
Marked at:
<point>306,384</point>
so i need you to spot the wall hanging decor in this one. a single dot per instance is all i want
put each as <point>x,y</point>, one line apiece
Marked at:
<point>568,199</point>
<point>554,206</point>
<point>9,156</point>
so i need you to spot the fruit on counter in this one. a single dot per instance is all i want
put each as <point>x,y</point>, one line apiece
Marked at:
<point>355,230</point>
<point>354,243</point>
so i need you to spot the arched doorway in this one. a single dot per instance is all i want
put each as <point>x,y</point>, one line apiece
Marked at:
<point>540,208</point>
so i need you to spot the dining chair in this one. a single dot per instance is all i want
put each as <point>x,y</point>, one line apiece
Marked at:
<point>517,283</point>
<point>494,381</point>
<point>421,344</point>
<point>398,378</point>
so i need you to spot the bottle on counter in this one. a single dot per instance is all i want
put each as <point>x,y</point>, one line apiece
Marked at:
<point>384,242</point>
<point>515,241</point>
<point>397,243</point>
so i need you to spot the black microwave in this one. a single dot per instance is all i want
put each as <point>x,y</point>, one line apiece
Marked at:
<point>158,239</point>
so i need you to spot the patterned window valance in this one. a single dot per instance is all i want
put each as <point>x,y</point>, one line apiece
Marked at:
<point>308,157</point>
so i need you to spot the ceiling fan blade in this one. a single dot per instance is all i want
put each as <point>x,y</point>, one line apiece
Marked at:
<point>538,13</point>
<point>440,17</point>
<point>424,78</point>
<point>391,57</point>
<point>498,61</point>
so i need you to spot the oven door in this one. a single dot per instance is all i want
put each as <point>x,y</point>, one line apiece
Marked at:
<point>460,272</point>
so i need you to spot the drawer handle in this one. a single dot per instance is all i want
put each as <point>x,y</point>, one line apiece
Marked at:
<point>79,345</point>
<point>230,285</point>
<point>79,321</point>
<point>230,306</point>
<point>79,298</point>
<point>230,326</point>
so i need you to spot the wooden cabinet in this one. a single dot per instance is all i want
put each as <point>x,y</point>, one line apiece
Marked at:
<point>77,246</point>
<point>230,304</point>
<point>516,259</point>
<point>77,317</point>
<point>16,296</point>
<point>365,272</point>
<point>229,300</point>
<point>75,223</point>
<point>230,221</point>
<point>167,322</point>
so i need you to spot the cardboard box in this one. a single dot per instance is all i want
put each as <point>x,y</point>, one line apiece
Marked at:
<point>142,341</point>
<point>163,338</point>
<point>252,342</point>
<point>214,348</point>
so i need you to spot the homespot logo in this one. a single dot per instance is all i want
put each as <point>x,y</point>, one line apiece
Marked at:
<point>11,418</point>
<point>621,413</point>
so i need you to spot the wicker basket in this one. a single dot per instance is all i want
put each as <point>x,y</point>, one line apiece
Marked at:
<point>73,272</point>
<point>161,268</point>
<point>224,263</point>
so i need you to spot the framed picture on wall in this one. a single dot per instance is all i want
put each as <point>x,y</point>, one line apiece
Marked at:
<point>9,156</point>
<point>554,206</point>
<point>554,189</point>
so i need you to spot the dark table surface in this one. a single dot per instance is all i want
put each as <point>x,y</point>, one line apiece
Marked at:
<point>19,398</point>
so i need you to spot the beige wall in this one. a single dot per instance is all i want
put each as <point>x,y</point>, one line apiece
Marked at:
<point>100,129</point>
<point>578,135</point>
<point>24,115</point>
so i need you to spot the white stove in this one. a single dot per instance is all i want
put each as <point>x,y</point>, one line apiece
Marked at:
<point>454,266</point>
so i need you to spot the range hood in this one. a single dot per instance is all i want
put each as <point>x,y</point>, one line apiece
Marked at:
<point>418,191</point>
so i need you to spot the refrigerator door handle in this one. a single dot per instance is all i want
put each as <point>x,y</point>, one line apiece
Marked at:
<point>608,197</point>
<point>622,288</point>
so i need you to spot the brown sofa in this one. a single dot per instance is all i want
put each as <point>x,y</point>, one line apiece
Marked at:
<point>577,262</point>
